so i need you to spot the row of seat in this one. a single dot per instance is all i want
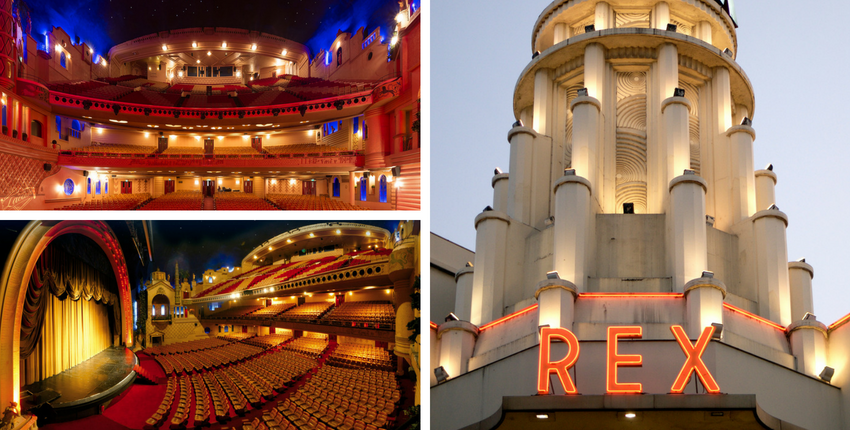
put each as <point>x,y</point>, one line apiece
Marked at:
<point>310,346</point>
<point>295,202</point>
<point>363,312</point>
<point>178,200</point>
<point>123,202</point>
<point>239,201</point>
<point>188,346</point>
<point>269,340</point>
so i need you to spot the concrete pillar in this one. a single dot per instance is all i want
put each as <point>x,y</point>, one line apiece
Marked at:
<point>703,31</point>
<point>556,303</point>
<point>585,136</point>
<point>488,281</point>
<point>661,15</point>
<point>500,192</point>
<point>528,183</point>
<point>800,276</point>
<point>352,180</point>
<point>562,33</point>
<point>604,16</point>
<point>686,229</point>
<point>666,77</point>
<point>704,297</point>
<point>721,99</point>
<point>674,113</point>
<point>463,293</point>
<point>743,178</point>
<point>808,344</point>
<point>378,141</point>
<point>765,189</point>
<point>527,116</point>
<point>542,102</point>
<point>741,112</point>
<point>771,255</point>
<point>572,229</point>
<point>457,342</point>
<point>594,71</point>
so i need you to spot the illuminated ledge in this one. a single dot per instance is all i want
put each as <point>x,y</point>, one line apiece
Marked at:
<point>603,412</point>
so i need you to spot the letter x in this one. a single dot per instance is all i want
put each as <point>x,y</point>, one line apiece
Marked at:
<point>694,362</point>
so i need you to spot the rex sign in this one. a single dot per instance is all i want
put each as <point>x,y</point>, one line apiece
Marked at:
<point>615,360</point>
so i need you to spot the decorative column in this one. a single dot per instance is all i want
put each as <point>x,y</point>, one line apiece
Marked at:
<point>704,297</point>
<point>703,31</point>
<point>721,99</point>
<point>686,229</point>
<point>352,180</point>
<point>743,178</point>
<point>259,184</point>
<point>800,276</point>
<point>771,255</point>
<point>594,72</point>
<point>463,293</point>
<point>500,192</point>
<point>585,111</point>
<point>765,189</point>
<point>674,111</point>
<point>562,33</point>
<point>528,183</point>
<point>457,342</point>
<point>556,303</point>
<point>573,229</point>
<point>541,122</point>
<point>808,344</point>
<point>401,269</point>
<point>488,281</point>
<point>661,15</point>
<point>8,47</point>
<point>604,16</point>
<point>666,77</point>
<point>378,140</point>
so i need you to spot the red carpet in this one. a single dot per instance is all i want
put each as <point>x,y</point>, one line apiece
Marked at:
<point>93,422</point>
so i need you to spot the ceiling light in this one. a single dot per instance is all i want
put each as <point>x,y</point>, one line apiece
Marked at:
<point>164,48</point>
<point>630,415</point>
<point>194,44</point>
<point>542,416</point>
<point>283,52</point>
<point>254,47</point>
<point>224,44</point>
<point>209,52</point>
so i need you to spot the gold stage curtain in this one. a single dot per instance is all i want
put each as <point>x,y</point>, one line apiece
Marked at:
<point>66,315</point>
<point>73,331</point>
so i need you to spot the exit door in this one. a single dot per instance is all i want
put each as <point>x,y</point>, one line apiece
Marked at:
<point>208,188</point>
<point>249,186</point>
<point>308,188</point>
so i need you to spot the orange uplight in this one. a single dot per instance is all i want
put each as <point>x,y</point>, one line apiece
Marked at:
<point>617,360</point>
<point>560,367</point>
<point>753,316</point>
<point>693,362</point>
<point>631,295</point>
<point>507,317</point>
<point>433,325</point>
<point>839,322</point>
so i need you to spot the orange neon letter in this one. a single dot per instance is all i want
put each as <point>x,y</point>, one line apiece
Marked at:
<point>694,362</point>
<point>559,367</point>
<point>615,360</point>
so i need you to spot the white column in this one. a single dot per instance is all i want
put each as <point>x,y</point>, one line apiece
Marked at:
<point>800,276</point>
<point>571,230</point>
<point>463,294</point>
<point>488,281</point>
<point>666,75</point>
<point>686,229</point>
<point>674,113</point>
<point>765,189</point>
<point>703,31</point>
<point>542,101</point>
<point>594,71</point>
<point>808,344</point>
<point>661,15</point>
<point>457,342</point>
<point>500,192</point>
<point>743,178</point>
<point>722,113</point>
<point>519,182</point>
<point>771,255</point>
<point>604,16</point>
<point>556,303</point>
<point>561,33</point>
<point>704,297</point>
<point>585,136</point>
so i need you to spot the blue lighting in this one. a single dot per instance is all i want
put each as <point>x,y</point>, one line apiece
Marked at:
<point>350,17</point>
<point>78,19</point>
<point>69,187</point>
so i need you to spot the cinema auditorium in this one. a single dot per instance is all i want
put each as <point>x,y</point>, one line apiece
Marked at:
<point>315,328</point>
<point>632,271</point>
<point>212,118</point>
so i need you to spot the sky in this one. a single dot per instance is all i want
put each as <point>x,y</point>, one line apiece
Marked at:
<point>105,23</point>
<point>795,57</point>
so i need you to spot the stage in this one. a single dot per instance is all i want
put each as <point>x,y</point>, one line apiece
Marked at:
<point>81,390</point>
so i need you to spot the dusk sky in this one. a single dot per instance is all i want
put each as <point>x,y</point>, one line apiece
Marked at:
<point>793,53</point>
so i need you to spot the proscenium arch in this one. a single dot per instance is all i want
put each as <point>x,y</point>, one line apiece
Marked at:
<point>14,280</point>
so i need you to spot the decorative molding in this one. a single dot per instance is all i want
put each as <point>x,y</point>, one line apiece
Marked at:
<point>631,52</point>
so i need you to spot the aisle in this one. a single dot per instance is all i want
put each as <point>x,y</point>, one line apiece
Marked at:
<point>209,203</point>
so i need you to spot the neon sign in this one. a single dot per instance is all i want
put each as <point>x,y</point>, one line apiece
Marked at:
<point>693,360</point>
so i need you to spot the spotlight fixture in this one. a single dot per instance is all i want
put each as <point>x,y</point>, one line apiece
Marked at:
<point>707,274</point>
<point>826,374</point>
<point>718,330</point>
<point>569,172</point>
<point>582,92</point>
<point>672,27</point>
<point>679,92</point>
<point>802,260</point>
<point>497,171</point>
<point>468,264</point>
<point>441,374</point>
<point>589,28</point>
<point>747,121</point>
<point>628,208</point>
<point>517,123</point>
<point>488,209</point>
<point>553,275</point>
<point>769,167</point>
<point>535,54</point>
<point>773,207</point>
<point>728,52</point>
<point>549,221</point>
<point>541,327</point>
<point>709,220</point>
<point>689,172</point>
<point>451,317</point>
<point>808,316</point>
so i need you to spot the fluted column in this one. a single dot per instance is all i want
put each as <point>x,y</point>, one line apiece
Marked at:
<point>562,33</point>
<point>721,99</point>
<point>585,143</point>
<point>352,180</point>
<point>528,183</point>
<point>765,189</point>
<point>688,243</point>
<point>541,121</point>
<point>674,112</point>
<point>463,293</point>
<point>378,140</point>
<point>800,276</point>
<point>604,16</point>
<point>771,255</point>
<point>666,77</point>
<point>573,216</point>
<point>488,281</point>
<point>594,71</point>
<point>500,192</point>
<point>703,31</point>
<point>743,177</point>
<point>661,15</point>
